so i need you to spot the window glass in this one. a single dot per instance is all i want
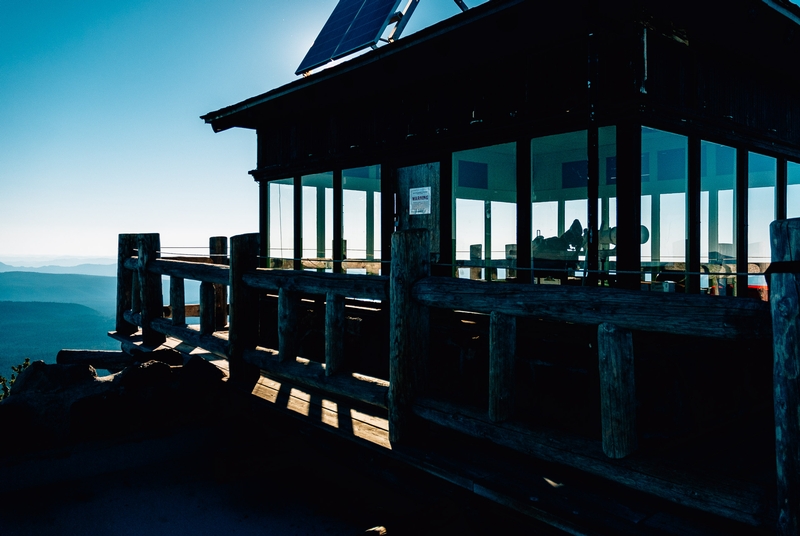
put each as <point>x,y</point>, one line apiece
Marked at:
<point>762,174</point>
<point>361,200</point>
<point>318,221</point>
<point>485,212</point>
<point>793,191</point>
<point>281,224</point>
<point>717,219</point>
<point>664,199</point>
<point>559,191</point>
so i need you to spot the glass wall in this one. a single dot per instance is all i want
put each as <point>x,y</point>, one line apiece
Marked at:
<point>717,219</point>
<point>281,224</point>
<point>762,176</point>
<point>361,208</point>
<point>664,201</point>
<point>559,192</point>
<point>318,221</point>
<point>793,191</point>
<point>485,212</point>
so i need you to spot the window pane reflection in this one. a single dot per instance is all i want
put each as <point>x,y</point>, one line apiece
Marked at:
<point>717,219</point>
<point>793,191</point>
<point>559,169</point>
<point>281,224</point>
<point>318,221</point>
<point>762,175</point>
<point>664,186</point>
<point>361,219</point>
<point>484,212</point>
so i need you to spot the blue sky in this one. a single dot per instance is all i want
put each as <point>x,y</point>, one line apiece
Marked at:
<point>101,102</point>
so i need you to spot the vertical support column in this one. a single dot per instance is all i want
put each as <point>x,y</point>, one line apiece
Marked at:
<point>334,333</point>
<point>693,195</point>
<point>288,309</point>
<point>207,297</point>
<point>784,298</point>
<point>150,286</point>
<point>243,330</point>
<point>297,251</point>
<point>741,196</point>
<point>177,300</point>
<point>593,193</point>
<point>338,222</point>
<point>629,203</point>
<point>126,247</point>
<point>502,351</point>
<point>409,329</point>
<point>218,250</point>
<point>617,390</point>
<point>524,210</point>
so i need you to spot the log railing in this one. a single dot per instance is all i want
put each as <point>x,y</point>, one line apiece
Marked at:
<point>411,292</point>
<point>140,303</point>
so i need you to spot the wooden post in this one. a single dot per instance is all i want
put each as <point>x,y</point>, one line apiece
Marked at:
<point>334,333</point>
<point>475,257</point>
<point>218,250</point>
<point>125,250</point>
<point>243,330</point>
<point>207,297</point>
<point>784,298</point>
<point>409,328</point>
<point>502,350</point>
<point>136,295</point>
<point>177,300</point>
<point>617,390</point>
<point>288,340</point>
<point>150,287</point>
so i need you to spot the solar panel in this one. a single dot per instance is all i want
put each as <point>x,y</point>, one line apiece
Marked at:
<point>353,25</point>
<point>368,26</point>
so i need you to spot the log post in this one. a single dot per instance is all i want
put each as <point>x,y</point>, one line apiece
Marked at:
<point>177,300</point>
<point>409,328</point>
<point>502,350</point>
<point>244,313</point>
<point>125,250</point>
<point>617,390</point>
<point>218,250</point>
<point>150,288</point>
<point>784,298</point>
<point>136,295</point>
<point>288,315</point>
<point>334,333</point>
<point>207,297</point>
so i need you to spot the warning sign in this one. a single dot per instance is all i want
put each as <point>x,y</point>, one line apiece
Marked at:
<point>420,201</point>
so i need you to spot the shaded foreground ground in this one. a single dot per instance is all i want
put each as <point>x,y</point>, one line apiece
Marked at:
<point>270,479</point>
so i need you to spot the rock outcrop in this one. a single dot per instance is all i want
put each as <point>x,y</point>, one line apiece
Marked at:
<point>57,404</point>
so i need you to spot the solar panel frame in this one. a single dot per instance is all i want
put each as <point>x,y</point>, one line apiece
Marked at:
<point>331,35</point>
<point>353,25</point>
<point>367,27</point>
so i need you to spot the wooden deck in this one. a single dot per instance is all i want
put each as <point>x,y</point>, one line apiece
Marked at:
<point>563,485</point>
<point>559,429</point>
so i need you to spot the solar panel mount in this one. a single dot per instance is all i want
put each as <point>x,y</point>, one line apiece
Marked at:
<point>355,25</point>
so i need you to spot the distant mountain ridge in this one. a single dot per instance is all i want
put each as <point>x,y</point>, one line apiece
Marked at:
<point>96,292</point>
<point>107,270</point>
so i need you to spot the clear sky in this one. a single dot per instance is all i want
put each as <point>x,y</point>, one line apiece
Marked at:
<point>100,104</point>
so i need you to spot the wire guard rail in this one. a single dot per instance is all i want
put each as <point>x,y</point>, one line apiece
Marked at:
<point>411,292</point>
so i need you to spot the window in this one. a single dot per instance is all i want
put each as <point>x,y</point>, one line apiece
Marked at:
<point>485,212</point>
<point>281,224</point>
<point>717,219</point>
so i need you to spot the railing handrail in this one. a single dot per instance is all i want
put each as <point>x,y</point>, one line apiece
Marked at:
<point>662,312</point>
